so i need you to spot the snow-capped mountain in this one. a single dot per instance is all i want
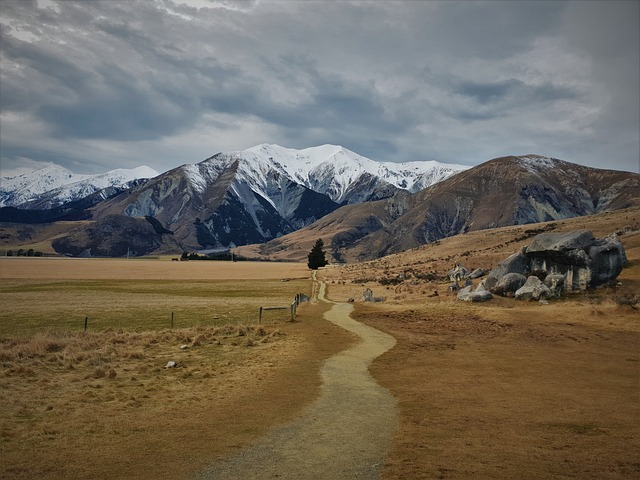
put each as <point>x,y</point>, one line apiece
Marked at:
<point>343,175</point>
<point>254,195</point>
<point>266,192</point>
<point>53,185</point>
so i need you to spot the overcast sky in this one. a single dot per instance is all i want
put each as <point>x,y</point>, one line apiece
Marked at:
<point>97,85</point>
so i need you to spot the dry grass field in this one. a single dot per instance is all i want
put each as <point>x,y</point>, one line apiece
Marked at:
<point>101,404</point>
<point>506,389</point>
<point>40,293</point>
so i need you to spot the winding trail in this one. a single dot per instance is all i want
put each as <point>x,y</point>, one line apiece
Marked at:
<point>345,434</point>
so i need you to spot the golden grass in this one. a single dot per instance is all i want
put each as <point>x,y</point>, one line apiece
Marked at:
<point>103,405</point>
<point>145,269</point>
<point>30,306</point>
<point>145,297</point>
<point>512,391</point>
<point>506,389</point>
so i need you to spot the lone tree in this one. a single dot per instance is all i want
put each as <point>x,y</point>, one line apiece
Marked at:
<point>317,256</point>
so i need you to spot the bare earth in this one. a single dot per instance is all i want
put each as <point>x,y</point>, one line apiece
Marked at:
<point>345,434</point>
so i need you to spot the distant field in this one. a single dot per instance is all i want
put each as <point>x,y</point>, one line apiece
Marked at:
<point>40,294</point>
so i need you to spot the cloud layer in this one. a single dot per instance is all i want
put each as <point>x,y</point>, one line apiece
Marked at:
<point>104,84</point>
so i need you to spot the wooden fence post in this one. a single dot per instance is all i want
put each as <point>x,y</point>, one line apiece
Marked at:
<point>171,320</point>
<point>260,317</point>
<point>86,321</point>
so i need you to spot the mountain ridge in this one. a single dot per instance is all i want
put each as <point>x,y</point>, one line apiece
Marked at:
<point>53,186</point>
<point>284,198</point>
<point>513,190</point>
<point>264,192</point>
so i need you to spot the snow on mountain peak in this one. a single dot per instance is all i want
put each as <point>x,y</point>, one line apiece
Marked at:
<point>335,170</point>
<point>534,163</point>
<point>62,185</point>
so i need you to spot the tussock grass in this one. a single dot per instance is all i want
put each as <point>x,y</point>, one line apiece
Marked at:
<point>100,403</point>
<point>103,405</point>
<point>59,388</point>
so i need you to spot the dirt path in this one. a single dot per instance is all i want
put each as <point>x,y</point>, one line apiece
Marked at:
<point>345,434</point>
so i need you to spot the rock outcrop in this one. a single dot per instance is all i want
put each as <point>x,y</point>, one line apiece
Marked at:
<point>555,262</point>
<point>584,261</point>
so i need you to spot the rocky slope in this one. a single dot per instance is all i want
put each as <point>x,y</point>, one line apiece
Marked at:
<point>504,191</point>
<point>265,192</point>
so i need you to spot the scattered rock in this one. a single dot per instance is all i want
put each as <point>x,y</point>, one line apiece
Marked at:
<point>480,294</point>
<point>516,263</point>
<point>184,347</point>
<point>454,287</point>
<point>457,273</point>
<point>171,364</point>
<point>533,289</point>
<point>350,300</point>
<point>508,283</point>
<point>555,283</point>
<point>367,295</point>
<point>477,273</point>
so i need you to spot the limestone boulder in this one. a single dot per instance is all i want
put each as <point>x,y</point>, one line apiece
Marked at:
<point>508,284</point>
<point>533,289</point>
<point>585,262</point>
<point>516,263</point>
<point>467,294</point>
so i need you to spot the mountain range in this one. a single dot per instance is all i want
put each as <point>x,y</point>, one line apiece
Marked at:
<point>238,198</point>
<point>53,186</point>
<point>280,200</point>
<point>512,190</point>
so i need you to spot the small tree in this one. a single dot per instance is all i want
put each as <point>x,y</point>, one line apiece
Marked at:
<point>317,256</point>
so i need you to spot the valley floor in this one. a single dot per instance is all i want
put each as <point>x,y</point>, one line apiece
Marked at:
<point>527,391</point>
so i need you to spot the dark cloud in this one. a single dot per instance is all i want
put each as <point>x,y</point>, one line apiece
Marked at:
<point>169,82</point>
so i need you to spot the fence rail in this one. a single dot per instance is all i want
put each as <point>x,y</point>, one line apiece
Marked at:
<point>293,308</point>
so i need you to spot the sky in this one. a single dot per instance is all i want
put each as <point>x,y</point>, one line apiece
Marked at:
<point>97,85</point>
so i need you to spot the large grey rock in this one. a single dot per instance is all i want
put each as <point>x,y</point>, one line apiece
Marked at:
<point>467,294</point>
<point>516,263</point>
<point>584,261</point>
<point>560,242</point>
<point>533,289</point>
<point>607,259</point>
<point>555,283</point>
<point>508,283</point>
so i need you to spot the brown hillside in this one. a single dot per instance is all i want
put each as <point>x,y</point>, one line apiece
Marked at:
<point>501,192</point>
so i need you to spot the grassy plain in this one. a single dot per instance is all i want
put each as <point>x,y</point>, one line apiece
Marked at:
<point>59,293</point>
<point>101,404</point>
<point>504,389</point>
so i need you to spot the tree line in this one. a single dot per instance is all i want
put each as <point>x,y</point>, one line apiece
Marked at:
<point>24,253</point>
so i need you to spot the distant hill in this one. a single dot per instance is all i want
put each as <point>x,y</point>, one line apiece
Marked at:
<point>501,192</point>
